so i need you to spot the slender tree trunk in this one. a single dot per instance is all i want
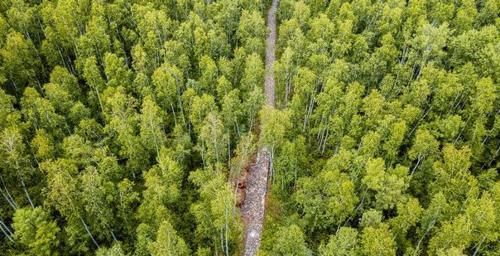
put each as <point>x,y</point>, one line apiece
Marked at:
<point>423,236</point>
<point>226,228</point>
<point>113,235</point>
<point>325,140</point>
<point>88,232</point>
<point>421,118</point>
<point>7,195</point>
<point>6,231</point>
<point>99,99</point>
<point>173,112</point>
<point>229,151</point>
<point>154,136</point>
<point>271,165</point>
<point>26,192</point>
<point>462,130</point>
<point>181,108</point>
<point>11,203</point>
<point>287,91</point>
<point>416,165</point>
<point>478,246</point>
<point>309,109</point>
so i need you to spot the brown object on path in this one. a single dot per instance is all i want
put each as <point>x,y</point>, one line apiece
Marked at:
<point>241,185</point>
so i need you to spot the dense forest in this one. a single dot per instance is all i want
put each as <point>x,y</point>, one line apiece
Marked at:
<point>125,125</point>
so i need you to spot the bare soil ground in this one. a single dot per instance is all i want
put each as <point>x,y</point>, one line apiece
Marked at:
<point>253,206</point>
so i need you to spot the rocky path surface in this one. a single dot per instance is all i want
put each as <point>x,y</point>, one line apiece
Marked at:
<point>253,207</point>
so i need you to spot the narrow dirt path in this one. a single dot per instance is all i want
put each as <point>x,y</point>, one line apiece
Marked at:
<point>253,206</point>
<point>270,53</point>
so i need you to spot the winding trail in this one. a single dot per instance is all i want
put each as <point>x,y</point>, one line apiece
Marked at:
<point>253,206</point>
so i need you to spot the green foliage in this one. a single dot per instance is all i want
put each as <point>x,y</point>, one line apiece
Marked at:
<point>289,241</point>
<point>397,100</point>
<point>124,126</point>
<point>252,31</point>
<point>35,230</point>
<point>327,199</point>
<point>344,242</point>
<point>377,240</point>
<point>218,223</point>
<point>19,62</point>
<point>167,242</point>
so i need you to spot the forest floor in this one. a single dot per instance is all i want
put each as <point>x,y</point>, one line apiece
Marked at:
<point>253,206</point>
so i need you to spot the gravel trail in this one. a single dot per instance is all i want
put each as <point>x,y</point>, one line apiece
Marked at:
<point>253,206</point>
